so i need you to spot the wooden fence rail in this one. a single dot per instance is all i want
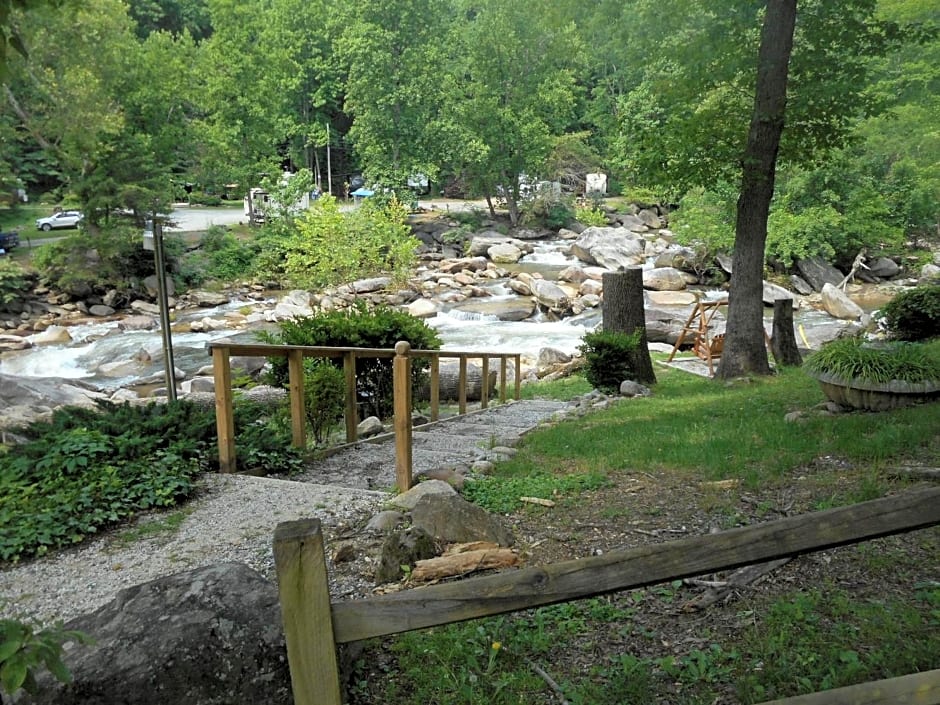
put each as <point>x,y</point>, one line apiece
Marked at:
<point>402,355</point>
<point>311,642</point>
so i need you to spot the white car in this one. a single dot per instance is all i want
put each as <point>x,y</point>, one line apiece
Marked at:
<point>63,219</point>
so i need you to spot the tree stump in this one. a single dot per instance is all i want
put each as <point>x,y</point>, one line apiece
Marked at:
<point>623,312</point>
<point>783,340</point>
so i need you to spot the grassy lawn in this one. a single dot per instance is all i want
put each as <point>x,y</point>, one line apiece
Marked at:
<point>697,456</point>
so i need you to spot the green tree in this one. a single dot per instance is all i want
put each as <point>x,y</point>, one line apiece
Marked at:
<point>514,91</point>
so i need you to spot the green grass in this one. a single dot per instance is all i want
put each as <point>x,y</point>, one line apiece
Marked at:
<point>712,431</point>
<point>159,527</point>
<point>565,388</point>
<point>608,650</point>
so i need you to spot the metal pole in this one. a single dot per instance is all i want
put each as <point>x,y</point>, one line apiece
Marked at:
<point>329,174</point>
<point>169,366</point>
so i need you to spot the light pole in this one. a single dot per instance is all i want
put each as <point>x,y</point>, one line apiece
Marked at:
<point>153,240</point>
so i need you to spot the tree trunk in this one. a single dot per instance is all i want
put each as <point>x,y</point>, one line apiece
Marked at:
<point>623,312</point>
<point>783,340</point>
<point>744,350</point>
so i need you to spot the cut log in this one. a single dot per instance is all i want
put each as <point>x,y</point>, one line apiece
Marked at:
<point>447,566</point>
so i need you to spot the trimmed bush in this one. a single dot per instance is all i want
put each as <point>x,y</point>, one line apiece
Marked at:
<point>358,327</point>
<point>607,358</point>
<point>325,397</point>
<point>914,314</point>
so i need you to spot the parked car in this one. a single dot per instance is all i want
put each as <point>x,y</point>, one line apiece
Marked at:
<point>63,219</point>
<point>8,241</point>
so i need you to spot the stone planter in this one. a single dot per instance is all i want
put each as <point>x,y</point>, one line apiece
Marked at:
<point>876,396</point>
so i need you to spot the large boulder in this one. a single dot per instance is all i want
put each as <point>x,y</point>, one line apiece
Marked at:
<point>616,245</point>
<point>838,304</point>
<point>664,279</point>
<point>773,292</point>
<point>203,637</point>
<point>818,272</point>
<point>452,519</point>
<point>550,295</point>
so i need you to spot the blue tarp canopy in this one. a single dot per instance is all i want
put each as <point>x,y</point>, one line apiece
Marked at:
<point>362,193</point>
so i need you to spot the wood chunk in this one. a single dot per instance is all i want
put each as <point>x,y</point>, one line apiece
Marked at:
<point>463,563</point>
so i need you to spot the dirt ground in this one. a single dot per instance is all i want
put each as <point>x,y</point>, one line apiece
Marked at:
<point>638,509</point>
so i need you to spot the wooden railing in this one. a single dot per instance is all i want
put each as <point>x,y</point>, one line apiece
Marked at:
<point>313,625</point>
<point>402,355</point>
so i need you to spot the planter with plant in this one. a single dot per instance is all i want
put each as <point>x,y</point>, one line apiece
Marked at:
<point>877,376</point>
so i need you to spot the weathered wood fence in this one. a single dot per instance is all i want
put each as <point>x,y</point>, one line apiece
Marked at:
<point>401,356</point>
<point>313,625</point>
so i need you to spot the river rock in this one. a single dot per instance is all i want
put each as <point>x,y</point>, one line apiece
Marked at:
<point>630,222</point>
<point>145,307</point>
<point>480,244</point>
<point>929,273</point>
<point>664,279</point>
<point>53,335</point>
<point>504,253</point>
<point>883,267</point>
<point>152,286</point>
<point>14,342</point>
<point>772,292</point>
<point>677,257</point>
<point>137,322</point>
<point>119,368</point>
<point>198,384</point>
<point>423,308</point>
<point>452,519</point>
<point>650,219</point>
<point>818,272</point>
<point>619,244</point>
<point>838,304</point>
<point>100,310</point>
<point>671,298</point>
<point>529,234</point>
<point>520,287</point>
<point>206,636</point>
<point>573,273</point>
<point>800,285</point>
<point>514,309</point>
<point>550,295</point>
<point>367,286</point>
<point>368,427</point>
<point>590,287</point>
<point>549,357</point>
<point>589,300</point>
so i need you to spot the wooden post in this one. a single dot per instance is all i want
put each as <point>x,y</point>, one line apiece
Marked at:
<point>518,377</point>
<point>224,418</point>
<point>352,415</point>
<point>435,387</point>
<point>298,417</point>
<point>783,342</point>
<point>502,379</point>
<point>915,689</point>
<point>485,382</point>
<point>304,592</point>
<point>623,313</point>
<point>401,384</point>
<point>462,386</point>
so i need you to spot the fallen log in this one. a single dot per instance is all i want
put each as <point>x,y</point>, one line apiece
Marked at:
<point>447,566</point>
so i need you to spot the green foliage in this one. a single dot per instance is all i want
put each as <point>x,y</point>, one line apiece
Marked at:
<point>914,314</point>
<point>501,494</point>
<point>607,358</point>
<point>852,358</point>
<point>359,327</point>
<point>546,210</point>
<point>114,255</point>
<point>706,217</point>
<point>25,647</point>
<point>222,256</point>
<point>564,388</point>
<point>12,281</point>
<point>87,469</point>
<point>324,397</point>
<point>329,247</point>
<point>590,215</point>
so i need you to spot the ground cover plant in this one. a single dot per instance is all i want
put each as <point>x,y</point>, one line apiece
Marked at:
<point>696,457</point>
<point>87,470</point>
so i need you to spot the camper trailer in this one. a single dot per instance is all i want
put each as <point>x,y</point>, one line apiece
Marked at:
<point>258,202</point>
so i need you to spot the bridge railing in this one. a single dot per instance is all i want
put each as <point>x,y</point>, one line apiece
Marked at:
<point>401,356</point>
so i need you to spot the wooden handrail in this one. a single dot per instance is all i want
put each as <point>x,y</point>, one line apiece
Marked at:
<point>222,350</point>
<point>513,591</point>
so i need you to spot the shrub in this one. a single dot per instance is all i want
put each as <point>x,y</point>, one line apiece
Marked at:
<point>590,215</point>
<point>914,314</point>
<point>325,397</point>
<point>358,327</point>
<point>87,469</point>
<point>607,356</point>
<point>12,281</point>
<point>329,247</point>
<point>546,210</point>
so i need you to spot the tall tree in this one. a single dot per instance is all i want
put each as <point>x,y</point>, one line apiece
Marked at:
<point>744,349</point>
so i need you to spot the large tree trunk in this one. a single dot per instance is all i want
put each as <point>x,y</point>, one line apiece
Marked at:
<point>744,350</point>
<point>623,312</point>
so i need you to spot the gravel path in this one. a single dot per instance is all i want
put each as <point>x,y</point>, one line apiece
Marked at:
<point>232,519</point>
